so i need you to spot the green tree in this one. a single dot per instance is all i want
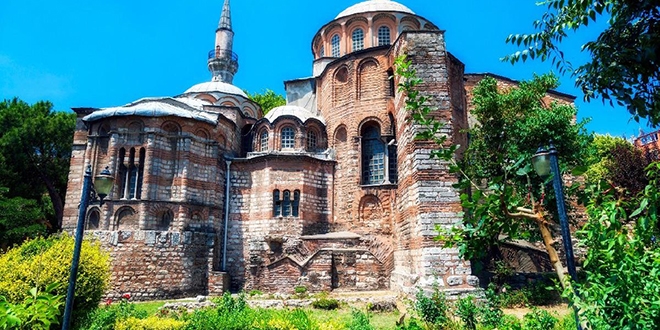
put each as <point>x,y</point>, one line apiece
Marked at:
<point>625,62</point>
<point>35,148</point>
<point>502,196</point>
<point>267,100</point>
<point>20,219</point>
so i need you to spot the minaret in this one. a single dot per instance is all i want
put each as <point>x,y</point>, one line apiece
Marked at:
<point>223,62</point>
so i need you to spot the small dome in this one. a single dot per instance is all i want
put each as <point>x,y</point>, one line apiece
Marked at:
<point>292,110</point>
<point>374,5</point>
<point>217,87</point>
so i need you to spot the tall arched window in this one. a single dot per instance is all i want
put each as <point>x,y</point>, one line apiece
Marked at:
<point>373,156</point>
<point>286,203</point>
<point>277,203</point>
<point>287,138</point>
<point>263,141</point>
<point>130,174</point>
<point>358,39</point>
<point>335,45</point>
<point>295,206</point>
<point>322,52</point>
<point>311,141</point>
<point>383,35</point>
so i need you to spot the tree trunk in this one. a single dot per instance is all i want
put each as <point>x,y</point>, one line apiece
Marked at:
<point>58,205</point>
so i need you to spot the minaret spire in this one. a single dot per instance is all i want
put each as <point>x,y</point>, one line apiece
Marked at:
<point>225,18</point>
<point>223,62</point>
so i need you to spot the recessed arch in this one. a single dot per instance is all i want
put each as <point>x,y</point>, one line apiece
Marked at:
<point>202,133</point>
<point>411,22</point>
<point>340,135</point>
<point>171,127</point>
<point>126,219</point>
<point>93,219</point>
<point>207,98</point>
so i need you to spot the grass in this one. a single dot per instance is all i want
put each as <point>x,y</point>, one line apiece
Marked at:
<point>380,320</point>
<point>151,307</point>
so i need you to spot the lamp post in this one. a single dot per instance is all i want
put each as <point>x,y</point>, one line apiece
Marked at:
<point>101,188</point>
<point>545,163</point>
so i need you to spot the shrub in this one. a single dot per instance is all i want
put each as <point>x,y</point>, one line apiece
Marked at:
<point>432,309</point>
<point>300,290</point>
<point>150,323</point>
<point>467,310</point>
<point>42,261</point>
<point>539,319</point>
<point>40,311</point>
<point>325,303</point>
<point>359,321</point>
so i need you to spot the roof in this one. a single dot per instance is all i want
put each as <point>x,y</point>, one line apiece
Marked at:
<point>374,5</point>
<point>292,110</point>
<point>216,86</point>
<point>157,107</point>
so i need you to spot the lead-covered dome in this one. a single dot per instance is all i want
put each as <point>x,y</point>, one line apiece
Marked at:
<point>216,87</point>
<point>374,5</point>
<point>292,110</point>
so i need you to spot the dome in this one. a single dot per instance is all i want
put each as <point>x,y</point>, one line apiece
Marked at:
<point>155,107</point>
<point>292,110</point>
<point>374,5</point>
<point>217,87</point>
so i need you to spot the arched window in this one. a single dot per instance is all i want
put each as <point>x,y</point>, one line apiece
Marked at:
<point>130,174</point>
<point>287,138</point>
<point>93,219</point>
<point>383,35</point>
<point>335,45</point>
<point>295,206</point>
<point>311,141</point>
<point>286,203</point>
<point>165,220</point>
<point>286,206</point>
<point>373,156</point>
<point>263,141</point>
<point>322,51</point>
<point>358,39</point>
<point>277,203</point>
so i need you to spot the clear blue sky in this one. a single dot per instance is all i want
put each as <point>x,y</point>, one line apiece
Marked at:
<point>108,53</point>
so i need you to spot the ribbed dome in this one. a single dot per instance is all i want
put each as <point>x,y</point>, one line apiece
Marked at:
<point>216,86</point>
<point>374,5</point>
<point>292,110</point>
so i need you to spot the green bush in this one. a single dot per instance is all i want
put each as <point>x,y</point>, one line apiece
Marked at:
<point>468,311</point>
<point>433,309</point>
<point>325,303</point>
<point>40,311</point>
<point>150,323</point>
<point>40,262</point>
<point>539,319</point>
<point>359,321</point>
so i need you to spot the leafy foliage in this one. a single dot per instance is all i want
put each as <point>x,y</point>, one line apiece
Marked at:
<point>624,58</point>
<point>150,323</point>
<point>267,100</point>
<point>622,265</point>
<point>112,315</point>
<point>20,219</point>
<point>496,170</point>
<point>434,308</point>
<point>40,310</point>
<point>35,149</point>
<point>39,262</point>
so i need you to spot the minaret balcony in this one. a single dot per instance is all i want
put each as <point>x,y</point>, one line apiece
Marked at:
<point>223,53</point>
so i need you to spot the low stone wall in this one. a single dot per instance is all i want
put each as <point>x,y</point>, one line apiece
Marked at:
<point>152,265</point>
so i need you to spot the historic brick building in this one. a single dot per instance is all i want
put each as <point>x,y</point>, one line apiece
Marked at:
<point>330,191</point>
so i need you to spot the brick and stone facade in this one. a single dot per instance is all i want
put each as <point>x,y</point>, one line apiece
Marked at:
<point>331,191</point>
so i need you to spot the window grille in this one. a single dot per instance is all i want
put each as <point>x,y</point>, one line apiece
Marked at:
<point>287,138</point>
<point>335,45</point>
<point>383,36</point>
<point>358,39</point>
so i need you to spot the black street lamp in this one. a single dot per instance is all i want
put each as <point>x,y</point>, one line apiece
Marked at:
<point>101,188</point>
<point>545,163</point>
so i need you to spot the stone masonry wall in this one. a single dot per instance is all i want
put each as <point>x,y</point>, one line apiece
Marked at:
<point>426,196</point>
<point>157,264</point>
